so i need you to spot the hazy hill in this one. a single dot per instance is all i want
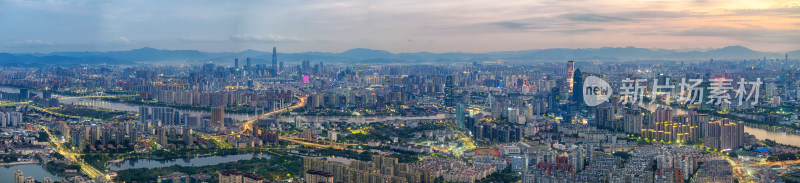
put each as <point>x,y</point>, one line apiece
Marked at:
<point>363,55</point>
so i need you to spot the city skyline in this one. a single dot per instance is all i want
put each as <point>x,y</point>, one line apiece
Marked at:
<point>413,91</point>
<point>398,27</point>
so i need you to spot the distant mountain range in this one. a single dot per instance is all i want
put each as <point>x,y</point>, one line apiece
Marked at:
<point>361,55</point>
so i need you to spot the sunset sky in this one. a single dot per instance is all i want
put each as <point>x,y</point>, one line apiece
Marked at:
<point>396,26</point>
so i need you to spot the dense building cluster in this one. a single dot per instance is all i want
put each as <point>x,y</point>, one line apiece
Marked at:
<point>457,122</point>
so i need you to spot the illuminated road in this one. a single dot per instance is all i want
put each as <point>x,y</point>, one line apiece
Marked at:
<point>85,168</point>
<point>248,125</point>
<point>781,163</point>
<point>295,140</point>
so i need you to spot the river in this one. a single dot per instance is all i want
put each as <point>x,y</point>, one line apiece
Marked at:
<point>362,119</point>
<point>36,171</point>
<point>779,137</point>
<point>195,161</point>
<point>120,106</point>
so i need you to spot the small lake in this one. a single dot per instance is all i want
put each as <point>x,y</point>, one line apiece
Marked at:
<point>195,161</point>
<point>36,171</point>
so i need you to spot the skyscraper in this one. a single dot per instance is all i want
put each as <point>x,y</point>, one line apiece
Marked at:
<point>448,91</point>
<point>460,113</point>
<point>577,92</point>
<point>247,65</point>
<point>306,66</point>
<point>236,63</point>
<point>274,60</point>
<point>570,74</point>
<point>321,68</point>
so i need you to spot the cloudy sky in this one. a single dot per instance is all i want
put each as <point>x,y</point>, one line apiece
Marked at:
<point>396,26</point>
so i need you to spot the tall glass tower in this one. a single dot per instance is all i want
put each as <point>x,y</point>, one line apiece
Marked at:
<point>274,61</point>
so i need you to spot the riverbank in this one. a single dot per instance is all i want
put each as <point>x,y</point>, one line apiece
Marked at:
<point>276,167</point>
<point>20,163</point>
<point>187,161</point>
<point>132,100</point>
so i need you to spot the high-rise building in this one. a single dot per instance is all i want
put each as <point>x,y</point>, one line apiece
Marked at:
<point>236,63</point>
<point>218,116</point>
<point>230,176</point>
<point>797,90</point>
<point>634,119</point>
<point>274,60</point>
<point>449,88</point>
<point>724,134</point>
<point>604,116</point>
<point>10,119</point>
<point>249,177</point>
<point>255,130</point>
<point>162,136</point>
<point>570,73</point>
<point>319,176</point>
<point>305,66</point>
<point>187,136</point>
<point>269,138</point>
<point>460,115</point>
<point>772,90</point>
<point>23,94</point>
<point>18,177</point>
<point>333,136</point>
<point>670,131</point>
<point>321,69</point>
<point>78,139</point>
<point>519,163</point>
<point>698,120</point>
<point>663,114</point>
<point>577,84</point>
<point>47,94</point>
<point>247,65</point>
